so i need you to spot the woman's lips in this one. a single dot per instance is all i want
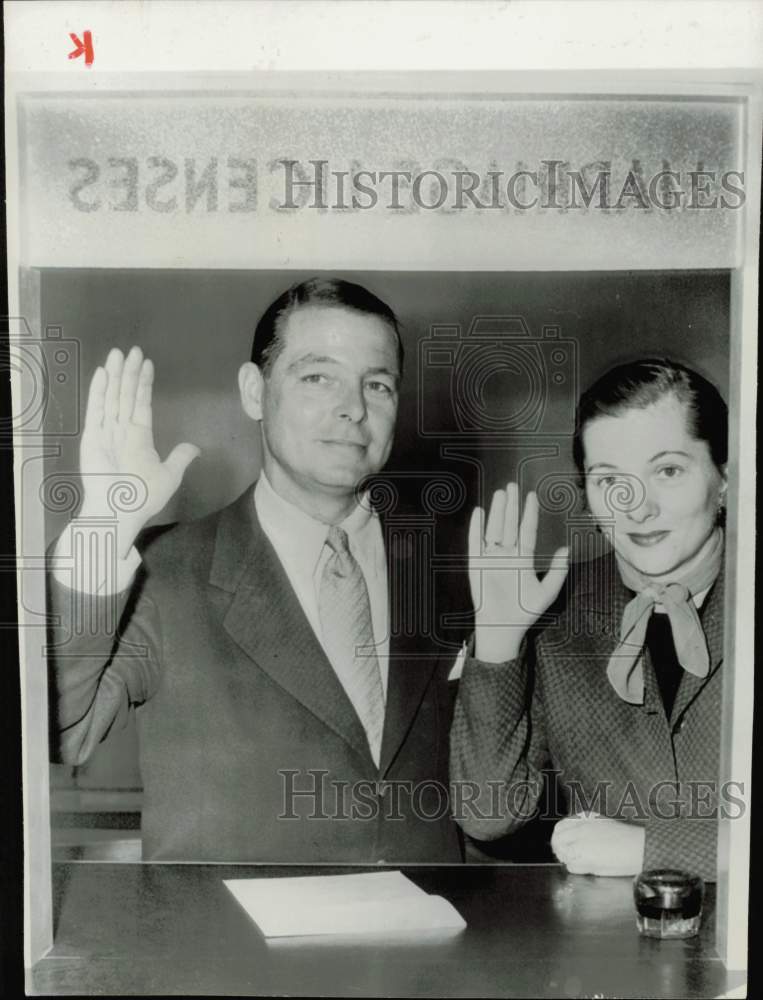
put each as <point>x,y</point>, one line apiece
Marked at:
<point>649,538</point>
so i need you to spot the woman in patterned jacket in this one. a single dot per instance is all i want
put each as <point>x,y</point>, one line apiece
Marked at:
<point>621,696</point>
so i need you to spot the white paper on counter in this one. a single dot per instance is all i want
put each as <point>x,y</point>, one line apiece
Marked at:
<point>372,902</point>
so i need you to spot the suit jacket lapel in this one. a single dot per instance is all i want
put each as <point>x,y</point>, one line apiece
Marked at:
<point>266,620</point>
<point>412,659</point>
<point>712,616</point>
<point>605,596</point>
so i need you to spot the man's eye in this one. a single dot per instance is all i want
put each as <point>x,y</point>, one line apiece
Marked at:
<point>380,387</point>
<point>314,378</point>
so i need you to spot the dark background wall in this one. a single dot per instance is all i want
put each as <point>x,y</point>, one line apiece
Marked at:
<point>197,327</point>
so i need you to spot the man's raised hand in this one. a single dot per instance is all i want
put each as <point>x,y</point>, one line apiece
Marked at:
<point>118,443</point>
<point>507,594</point>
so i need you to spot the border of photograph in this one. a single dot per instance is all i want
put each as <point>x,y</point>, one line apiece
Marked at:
<point>729,83</point>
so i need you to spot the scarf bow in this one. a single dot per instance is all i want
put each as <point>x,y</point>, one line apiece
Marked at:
<point>625,669</point>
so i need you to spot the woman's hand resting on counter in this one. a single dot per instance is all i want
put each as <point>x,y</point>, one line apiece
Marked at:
<point>589,844</point>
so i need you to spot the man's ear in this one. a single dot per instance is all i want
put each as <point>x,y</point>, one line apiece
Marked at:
<point>251,385</point>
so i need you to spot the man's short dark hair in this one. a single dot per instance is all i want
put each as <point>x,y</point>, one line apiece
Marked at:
<point>268,342</point>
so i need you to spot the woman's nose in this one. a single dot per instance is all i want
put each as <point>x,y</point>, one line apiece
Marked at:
<point>644,507</point>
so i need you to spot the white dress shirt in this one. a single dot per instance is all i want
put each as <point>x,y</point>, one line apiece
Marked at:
<point>300,544</point>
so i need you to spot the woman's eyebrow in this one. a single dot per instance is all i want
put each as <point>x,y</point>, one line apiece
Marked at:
<point>670,451</point>
<point>654,458</point>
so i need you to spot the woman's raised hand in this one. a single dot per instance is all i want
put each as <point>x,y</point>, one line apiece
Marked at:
<point>117,445</point>
<point>507,594</point>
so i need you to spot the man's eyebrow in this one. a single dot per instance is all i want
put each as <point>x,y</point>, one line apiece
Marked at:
<point>311,359</point>
<point>382,370</point>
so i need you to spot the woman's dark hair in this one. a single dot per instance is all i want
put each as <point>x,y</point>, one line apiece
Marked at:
<point>641,383</point>
<point>268,342</point>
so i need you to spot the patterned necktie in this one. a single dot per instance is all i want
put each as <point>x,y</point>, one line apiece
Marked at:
<point>348,637</point>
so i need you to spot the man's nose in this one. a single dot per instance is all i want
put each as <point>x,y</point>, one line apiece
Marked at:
<point>352,405</point>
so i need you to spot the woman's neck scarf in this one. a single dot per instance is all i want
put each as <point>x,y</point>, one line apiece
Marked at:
<point>626,667</point>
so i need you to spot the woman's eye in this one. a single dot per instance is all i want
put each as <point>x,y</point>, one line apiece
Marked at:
<point>603,482</point>
<point>670,471</point>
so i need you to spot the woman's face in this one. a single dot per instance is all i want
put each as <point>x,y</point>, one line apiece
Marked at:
<point>652,487</point>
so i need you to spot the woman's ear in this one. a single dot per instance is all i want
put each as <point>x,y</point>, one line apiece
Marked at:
<point>722,493</point>
<point>724,482</point>
<point>251,387</point>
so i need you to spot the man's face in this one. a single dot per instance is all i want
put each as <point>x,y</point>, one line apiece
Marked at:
<point>330,401</point>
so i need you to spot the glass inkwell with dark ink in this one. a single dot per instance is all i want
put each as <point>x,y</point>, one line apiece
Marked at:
<point>668,903</point>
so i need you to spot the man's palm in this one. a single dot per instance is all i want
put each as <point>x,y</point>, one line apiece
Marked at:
<point>117,445</point>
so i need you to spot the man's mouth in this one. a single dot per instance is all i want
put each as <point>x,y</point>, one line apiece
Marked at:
<point>340,443</point>
<point>649,538</point>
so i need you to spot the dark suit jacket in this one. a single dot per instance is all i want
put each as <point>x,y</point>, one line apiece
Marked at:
<point>238,709</point>
<point>554,707</point>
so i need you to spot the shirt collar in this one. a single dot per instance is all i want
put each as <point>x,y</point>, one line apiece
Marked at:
<point>297,535</point>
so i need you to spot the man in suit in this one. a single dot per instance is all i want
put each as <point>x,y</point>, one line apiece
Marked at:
<point>282,717</point>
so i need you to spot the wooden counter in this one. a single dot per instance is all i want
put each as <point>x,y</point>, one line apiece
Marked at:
<point>533,930</point>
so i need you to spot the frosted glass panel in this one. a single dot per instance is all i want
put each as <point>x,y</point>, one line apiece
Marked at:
<point>381,182</point>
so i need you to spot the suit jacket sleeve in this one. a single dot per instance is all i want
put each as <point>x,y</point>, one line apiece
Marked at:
<point>104,658</point>
<point>498,747</point>
<point>687,842</point>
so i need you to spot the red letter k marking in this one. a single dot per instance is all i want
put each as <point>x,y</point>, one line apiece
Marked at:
<point>84,46</point>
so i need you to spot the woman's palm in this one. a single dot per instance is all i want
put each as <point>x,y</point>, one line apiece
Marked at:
<point>507,594</point>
